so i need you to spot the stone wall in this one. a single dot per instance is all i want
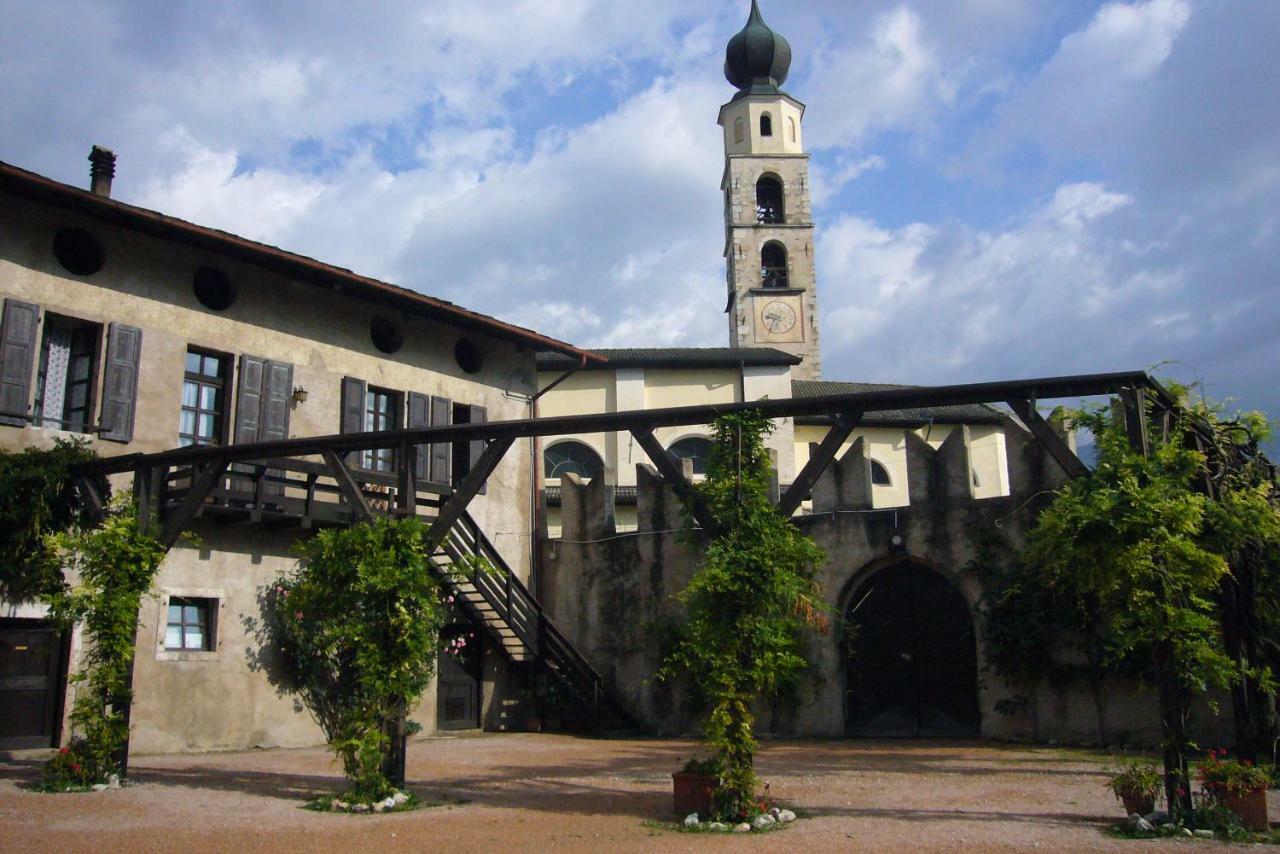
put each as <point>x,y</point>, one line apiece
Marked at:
<point>611,594</point>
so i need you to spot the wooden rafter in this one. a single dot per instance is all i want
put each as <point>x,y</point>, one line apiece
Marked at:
<point>201,485</point>
<point>347,484</point>
<point>818,463</point>
<point>1047,436</point>
<point>671,473</point>
<point>453,509</point>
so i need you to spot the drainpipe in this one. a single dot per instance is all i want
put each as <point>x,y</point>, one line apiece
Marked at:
<point>535,473</point>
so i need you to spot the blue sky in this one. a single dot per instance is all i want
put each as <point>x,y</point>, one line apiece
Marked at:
<point>1003,188</point>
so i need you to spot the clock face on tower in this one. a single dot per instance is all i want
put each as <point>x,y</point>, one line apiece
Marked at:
<point>778,317</point>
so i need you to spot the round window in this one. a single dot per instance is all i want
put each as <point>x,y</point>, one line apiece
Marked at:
<point>78,251</point>
<point>387,335</point>
<point>213,289</point>
<point>468,355</point>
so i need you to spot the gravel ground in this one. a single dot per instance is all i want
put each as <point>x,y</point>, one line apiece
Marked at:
<point>527,792</point>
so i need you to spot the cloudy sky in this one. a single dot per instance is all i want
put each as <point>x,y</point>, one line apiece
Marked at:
<point>1003,188</point>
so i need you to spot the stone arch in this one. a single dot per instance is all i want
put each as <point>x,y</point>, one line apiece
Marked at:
<point>911,661</point>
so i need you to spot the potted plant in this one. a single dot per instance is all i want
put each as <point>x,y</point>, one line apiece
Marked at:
<point>694,786</point>
<point>1239,786</point>
<point>1136,786</point>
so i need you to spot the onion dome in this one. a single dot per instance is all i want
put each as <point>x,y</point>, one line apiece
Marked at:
<point>757,59</point>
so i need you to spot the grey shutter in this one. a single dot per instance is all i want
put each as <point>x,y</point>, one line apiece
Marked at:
<point>419,416</point>
<point>479,415</point>
<point>277,387</point>
<point>353,395</point>
<point>441,416</point>
<point>120,388</point>
<point>17,358</point>
<point>273,424</point>
<point>253,375</point>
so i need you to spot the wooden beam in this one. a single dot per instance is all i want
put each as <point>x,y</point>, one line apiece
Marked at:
<point>91,498</point>
<point>1135,418</point>
<point>1047,436</point>
<point>182,517</point>
<point>671,473</point>
<point>347,485</point>
<point>453,509</point>
<point>407,484</point>
<point>818,463</point>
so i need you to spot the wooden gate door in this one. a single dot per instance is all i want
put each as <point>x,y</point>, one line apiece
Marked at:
<point>458,679</point>
<point>32,657</point>
<point>912,669</point>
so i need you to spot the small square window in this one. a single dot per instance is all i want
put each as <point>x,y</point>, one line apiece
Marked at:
<point>189,624</point>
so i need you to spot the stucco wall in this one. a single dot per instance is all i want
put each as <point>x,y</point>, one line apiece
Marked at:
<point>586,587</point>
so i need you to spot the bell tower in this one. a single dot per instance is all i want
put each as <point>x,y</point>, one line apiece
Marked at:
<point>768,222</point>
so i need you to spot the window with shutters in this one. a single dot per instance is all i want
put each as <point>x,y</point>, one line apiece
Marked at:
<point>67,372</point>
<point>204,399</point>
<point>381,413</point>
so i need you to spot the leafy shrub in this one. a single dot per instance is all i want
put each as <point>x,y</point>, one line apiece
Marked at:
<point>1137,779</point>
<point>358,627</point>
<point>1219,774</point>
<point>115,564</point>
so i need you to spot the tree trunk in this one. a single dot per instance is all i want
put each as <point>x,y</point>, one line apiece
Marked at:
<point>1173,723</point>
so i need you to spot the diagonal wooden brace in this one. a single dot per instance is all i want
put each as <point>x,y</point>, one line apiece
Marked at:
<point>199,490</point>
<point>818,462</point>
<point>347,485</point>
<point>1058,449</point>
<point>671,473</point>
<point>91,498</point>
<point>453,509</point>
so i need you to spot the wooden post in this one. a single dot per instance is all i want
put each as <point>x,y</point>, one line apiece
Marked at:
<point>818,462</point>
<point>1048,437</point>
<point>671,473</point>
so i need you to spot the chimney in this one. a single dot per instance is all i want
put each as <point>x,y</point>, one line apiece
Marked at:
<point>101,170</point>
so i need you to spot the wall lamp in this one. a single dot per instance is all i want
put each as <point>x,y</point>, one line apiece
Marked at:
<point>299,395</point>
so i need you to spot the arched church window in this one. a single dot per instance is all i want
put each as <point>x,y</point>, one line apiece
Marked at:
<point>739,130</point>
<point>766,125</point>
<point>694,448</point>
<point>791,125</point>
<point>880,474</point>
<point>573,458</point>
<point>773,265</point>
<point>769,208</point>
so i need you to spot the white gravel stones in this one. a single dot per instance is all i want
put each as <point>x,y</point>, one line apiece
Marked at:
<point>786,816</point>
<point>691,820</point>
<point>763,821</point>
<point>1205,834</point>
<point>742,828</point>
<point>718,826</point>
<point>400,798</point>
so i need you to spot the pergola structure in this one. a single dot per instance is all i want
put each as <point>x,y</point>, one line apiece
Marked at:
<point>310,482</point>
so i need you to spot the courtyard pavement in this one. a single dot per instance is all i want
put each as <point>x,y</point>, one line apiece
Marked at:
<point>545,792</point>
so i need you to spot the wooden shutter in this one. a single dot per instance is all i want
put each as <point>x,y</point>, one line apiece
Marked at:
<point>277,387</point>
<point>17,359</point>
<point>479,415</point>
<point>441,416</point>
<point>353,395</point>
<point>419,416</point>
<point>120,388</point>
<point>253,376</point>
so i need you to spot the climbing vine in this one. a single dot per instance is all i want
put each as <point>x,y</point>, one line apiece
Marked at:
<point>357,625</point>
<point>745,608</point>
<point>36,499</point>
<point>110,568</point>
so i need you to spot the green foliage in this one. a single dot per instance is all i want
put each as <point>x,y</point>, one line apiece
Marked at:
<point>36,499</point>
<point>745,607</point>
<point>1136,779</point>
<point>358,626</point>
<point>115,565</point>
<point>1217,773</point>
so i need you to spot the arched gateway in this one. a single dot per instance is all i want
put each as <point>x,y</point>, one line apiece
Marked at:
<point>911,659</point>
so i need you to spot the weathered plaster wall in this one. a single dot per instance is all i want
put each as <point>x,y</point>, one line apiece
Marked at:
<point>586,587</point>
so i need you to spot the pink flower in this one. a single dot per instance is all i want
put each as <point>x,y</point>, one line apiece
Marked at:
<point>298,615</point>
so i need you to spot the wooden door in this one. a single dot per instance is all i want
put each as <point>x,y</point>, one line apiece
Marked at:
<point>912,668</point>
<point>32,662</point>
<point>458,679</point>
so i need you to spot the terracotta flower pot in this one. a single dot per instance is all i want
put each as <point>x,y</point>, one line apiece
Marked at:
<point>692,793</point>
<point>1138,804</point>
<point>1251,807</point>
